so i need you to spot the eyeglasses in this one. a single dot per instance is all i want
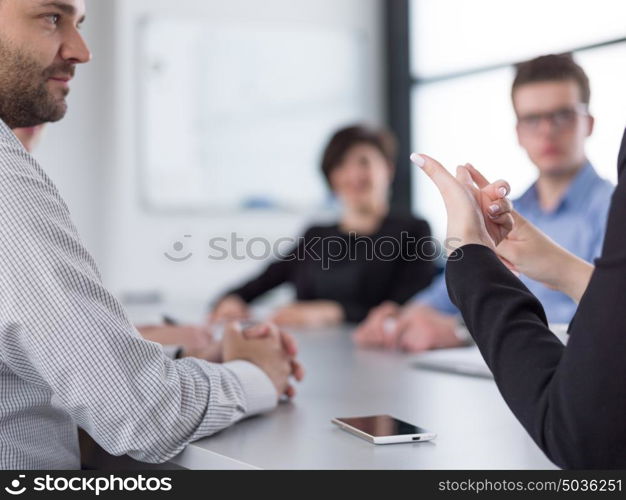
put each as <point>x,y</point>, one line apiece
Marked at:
<point>561,119</point>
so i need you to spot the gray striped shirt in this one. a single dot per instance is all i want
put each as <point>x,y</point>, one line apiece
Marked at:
<point>69,356</point>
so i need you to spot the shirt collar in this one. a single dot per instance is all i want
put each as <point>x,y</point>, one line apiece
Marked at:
<point>575,194</point>
<point>5,131</point>
<point>7,134</point>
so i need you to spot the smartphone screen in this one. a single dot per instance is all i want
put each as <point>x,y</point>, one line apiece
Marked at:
<point>382,425</point>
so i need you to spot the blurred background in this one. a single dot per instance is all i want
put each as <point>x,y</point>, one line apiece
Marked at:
<point>200,119</point>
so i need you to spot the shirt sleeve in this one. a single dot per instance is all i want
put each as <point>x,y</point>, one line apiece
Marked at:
<point>571,400</point>
<point>598,223</point>
<point>273,275</point>
<point>62,330</point>
<point>436,296</point>
<point>172,351</point>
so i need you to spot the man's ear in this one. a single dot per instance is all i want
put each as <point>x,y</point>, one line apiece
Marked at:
<point>591,121</point>
<point>517,134</point>
<point>392,170</point>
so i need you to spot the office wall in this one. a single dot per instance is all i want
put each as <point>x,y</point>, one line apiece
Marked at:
<point>72,150</point>
<point>92,153</point>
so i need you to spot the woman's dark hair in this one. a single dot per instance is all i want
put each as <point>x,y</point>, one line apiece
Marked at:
<point>348,137</point>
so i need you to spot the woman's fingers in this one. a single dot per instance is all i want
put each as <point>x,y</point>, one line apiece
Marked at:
<point>505,221</point>
<point>463,176</point>
<point>297,371</point>
<point>478,178</point>
<point>234,329</point>
<point>499,207</point>
<point>495,190</point>
<point>282,316</point>
<point>443,179</point>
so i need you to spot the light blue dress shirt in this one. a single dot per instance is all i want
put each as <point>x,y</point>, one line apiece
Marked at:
<point>577,223</point>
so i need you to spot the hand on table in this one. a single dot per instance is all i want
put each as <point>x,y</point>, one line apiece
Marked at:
<point>377,328</point>
<point>196,340</point>
<point>229,308</point>
<point>272,350</point>
<point>412,328</point>
<point>422,328</point>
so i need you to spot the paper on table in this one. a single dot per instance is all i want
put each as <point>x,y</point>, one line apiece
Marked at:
<point>467,361</point>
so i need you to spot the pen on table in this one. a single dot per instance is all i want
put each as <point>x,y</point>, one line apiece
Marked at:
<point>168,320</point>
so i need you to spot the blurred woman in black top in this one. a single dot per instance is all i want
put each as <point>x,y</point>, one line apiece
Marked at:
<point>369,256</point>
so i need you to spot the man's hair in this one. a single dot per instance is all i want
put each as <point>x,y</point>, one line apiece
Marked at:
<point>346,138</point>
<point>552,68</point>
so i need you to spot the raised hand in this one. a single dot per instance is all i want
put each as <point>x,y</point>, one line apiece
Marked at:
<point>473,215</point>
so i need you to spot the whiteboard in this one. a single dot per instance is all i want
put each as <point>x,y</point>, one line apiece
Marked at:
<point>236,116</point>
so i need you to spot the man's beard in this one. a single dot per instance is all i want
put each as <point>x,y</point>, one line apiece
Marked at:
<point>25,100</point>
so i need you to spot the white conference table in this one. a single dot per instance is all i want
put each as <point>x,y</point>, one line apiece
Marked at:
<point>475,428</point>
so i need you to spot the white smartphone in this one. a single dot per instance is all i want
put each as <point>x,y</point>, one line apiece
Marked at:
<point>383,429</point>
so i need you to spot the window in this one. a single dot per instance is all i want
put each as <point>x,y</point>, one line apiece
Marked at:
<point>462,56</point>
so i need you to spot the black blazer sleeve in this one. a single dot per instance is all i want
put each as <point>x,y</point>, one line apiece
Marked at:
<point>275,274</point>
<point>571,400</point>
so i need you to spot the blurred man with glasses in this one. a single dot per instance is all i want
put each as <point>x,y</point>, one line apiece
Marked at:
<point>569,202</point>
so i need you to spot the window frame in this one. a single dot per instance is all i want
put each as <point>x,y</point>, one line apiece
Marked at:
<point>401,83</point>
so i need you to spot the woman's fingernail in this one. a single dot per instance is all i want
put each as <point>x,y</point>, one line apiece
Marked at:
<point>418,160</point>
<point>502,192</point>
<point>494,208</point>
